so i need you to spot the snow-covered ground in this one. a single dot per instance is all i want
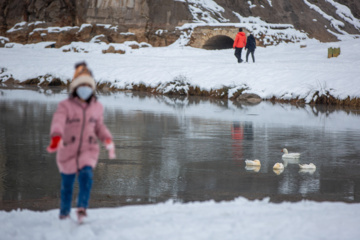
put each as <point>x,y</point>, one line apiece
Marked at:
<point>238,219</point>
<point>284,71</point>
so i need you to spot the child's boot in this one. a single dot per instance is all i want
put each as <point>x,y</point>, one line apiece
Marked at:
<point>81,213</point>
<point>64,217</point>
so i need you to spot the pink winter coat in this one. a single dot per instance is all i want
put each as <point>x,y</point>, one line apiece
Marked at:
<point>80,125</point>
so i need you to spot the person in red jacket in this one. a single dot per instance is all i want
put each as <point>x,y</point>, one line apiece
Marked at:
<point>239,44</point>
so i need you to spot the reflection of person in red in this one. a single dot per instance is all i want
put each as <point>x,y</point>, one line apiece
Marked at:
<point>237,134</point>
<point>237,131</point>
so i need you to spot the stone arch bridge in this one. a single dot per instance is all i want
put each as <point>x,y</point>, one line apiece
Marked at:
<point>213,37</point>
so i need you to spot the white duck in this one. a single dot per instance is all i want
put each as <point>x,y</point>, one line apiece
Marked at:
<point>307,166</point>
<point>288,161</point>
<point>278,166</point>
<point>289,155</point>
<point>253,168</point>
<point>255,162</point>
<point>278,171</point>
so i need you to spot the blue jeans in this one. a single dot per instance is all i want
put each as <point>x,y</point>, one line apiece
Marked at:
<point>85,176</point>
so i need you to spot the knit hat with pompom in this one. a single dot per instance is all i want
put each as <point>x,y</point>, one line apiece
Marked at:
<point>82,75</point>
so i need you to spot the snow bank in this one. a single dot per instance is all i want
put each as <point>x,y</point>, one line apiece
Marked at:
<point>238,219</point>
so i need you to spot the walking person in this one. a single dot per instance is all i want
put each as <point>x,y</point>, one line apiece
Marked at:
<point>239,44</point>
<point>76,127</point>
<point>250,46</point>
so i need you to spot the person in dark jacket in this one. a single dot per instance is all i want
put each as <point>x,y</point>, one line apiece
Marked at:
<point>250,46</point>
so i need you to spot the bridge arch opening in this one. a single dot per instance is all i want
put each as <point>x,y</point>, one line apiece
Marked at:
<point>218,42</point>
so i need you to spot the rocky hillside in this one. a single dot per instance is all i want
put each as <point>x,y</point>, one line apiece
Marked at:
<point>157,22</point>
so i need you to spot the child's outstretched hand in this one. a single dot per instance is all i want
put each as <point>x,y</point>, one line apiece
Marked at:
<point>109,145</point>
<point>54,144</point>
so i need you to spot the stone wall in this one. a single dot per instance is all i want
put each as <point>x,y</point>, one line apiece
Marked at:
<point>201,35</point>
<point>130,12</point>
<point>142,17</point>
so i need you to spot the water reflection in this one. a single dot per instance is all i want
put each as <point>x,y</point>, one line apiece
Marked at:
<point>186,149</point>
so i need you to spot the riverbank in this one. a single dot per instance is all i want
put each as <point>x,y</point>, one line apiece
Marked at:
<point>285,73</point>
<point>222,94</point>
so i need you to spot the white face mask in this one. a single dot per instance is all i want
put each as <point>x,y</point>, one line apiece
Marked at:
<point>84,92</point>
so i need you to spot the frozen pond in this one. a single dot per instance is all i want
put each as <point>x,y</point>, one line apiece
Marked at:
<point>185,149</point>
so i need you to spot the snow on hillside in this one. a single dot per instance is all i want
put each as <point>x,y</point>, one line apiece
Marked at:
<point>205,11</point>
<point>345,13</point>
<point>209,12</point>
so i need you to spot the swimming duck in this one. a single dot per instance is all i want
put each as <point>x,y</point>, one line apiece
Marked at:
<point>253,168</point>
<point>255,162</point>
<point>290,161</point>
<point>307,171</point>
<point>307,166</point>
<point>278,171</point>
<point>289,155</point>
<point>278,166</point>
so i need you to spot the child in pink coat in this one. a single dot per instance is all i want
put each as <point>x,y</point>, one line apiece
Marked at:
<point>76,127</point>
